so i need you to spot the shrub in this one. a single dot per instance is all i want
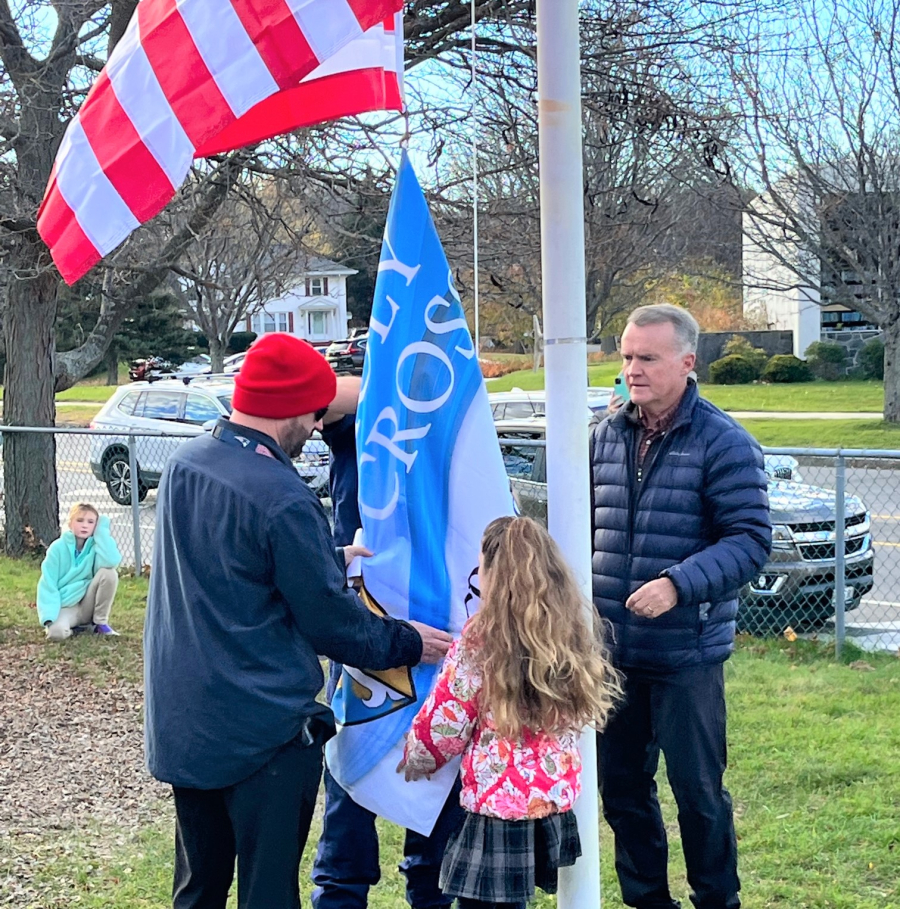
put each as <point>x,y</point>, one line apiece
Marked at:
<point>493,369</point>
<point>241,341</point>
<point>736,345</point>
<point>826,360</point>
<point>786,368</point>
<point>734,369</point>
<point>871,359</point>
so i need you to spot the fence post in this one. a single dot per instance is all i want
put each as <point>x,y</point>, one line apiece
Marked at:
<point>840,587</point>
<point>135,509</point>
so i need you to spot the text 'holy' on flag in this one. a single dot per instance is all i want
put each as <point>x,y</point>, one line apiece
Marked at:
<point>191,78</point>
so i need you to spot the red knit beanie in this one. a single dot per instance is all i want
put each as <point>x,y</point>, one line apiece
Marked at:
<point>281,377</point>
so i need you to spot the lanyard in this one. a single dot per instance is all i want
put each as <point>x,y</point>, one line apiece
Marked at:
<point>230,437</point>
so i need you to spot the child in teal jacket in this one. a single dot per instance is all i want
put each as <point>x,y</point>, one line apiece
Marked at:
<point>78,576</point>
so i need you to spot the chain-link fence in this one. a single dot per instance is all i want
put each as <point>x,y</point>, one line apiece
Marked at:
<point>97,468</point>
<point>834,568</point>
<point>835,562</point>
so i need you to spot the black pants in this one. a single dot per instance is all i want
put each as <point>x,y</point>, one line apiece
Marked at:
<point>263,822</point>
<point>681,713</point>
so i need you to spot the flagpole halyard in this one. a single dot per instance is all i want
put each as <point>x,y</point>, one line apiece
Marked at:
<point>474,122</point>
<point>565,361</point>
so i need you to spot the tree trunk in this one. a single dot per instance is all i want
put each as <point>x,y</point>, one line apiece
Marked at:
<point>112,365</point>
<point>216,355</point>
<point>29,459</point>
<point>891,330</point>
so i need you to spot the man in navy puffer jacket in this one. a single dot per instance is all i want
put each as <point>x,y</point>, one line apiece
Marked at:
<point>680,524</point>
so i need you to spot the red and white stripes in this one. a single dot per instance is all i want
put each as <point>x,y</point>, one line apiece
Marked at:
<point>365,75</point>
<point>185,72</point>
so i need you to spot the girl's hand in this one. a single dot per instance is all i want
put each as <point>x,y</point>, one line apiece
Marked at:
<point>411,774</point>
<point>351,552</point>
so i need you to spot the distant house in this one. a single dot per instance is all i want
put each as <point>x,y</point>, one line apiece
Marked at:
<point>315,308</point>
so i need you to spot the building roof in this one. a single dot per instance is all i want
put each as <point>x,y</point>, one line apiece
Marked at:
<point>319,265</point>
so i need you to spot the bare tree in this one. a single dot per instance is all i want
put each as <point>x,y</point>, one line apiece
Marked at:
<point>652,128</point>
<point>822,108</point>
<point>247,257</point>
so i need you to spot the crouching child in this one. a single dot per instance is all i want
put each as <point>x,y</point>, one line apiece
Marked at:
<point>78,577</point>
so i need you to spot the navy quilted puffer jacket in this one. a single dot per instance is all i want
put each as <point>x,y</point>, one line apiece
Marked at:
<point>699,516</point>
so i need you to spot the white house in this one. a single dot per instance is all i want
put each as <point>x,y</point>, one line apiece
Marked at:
<point>315,308</point>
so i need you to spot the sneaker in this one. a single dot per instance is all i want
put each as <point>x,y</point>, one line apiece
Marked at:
<point>104,629</point>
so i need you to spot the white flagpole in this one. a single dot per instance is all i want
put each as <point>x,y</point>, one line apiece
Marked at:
<point>565,361</point>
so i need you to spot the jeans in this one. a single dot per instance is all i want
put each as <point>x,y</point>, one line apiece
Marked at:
<point>262,821</point>
<point>682,714</point>
<point>346,862</point>
<point>343,874</point>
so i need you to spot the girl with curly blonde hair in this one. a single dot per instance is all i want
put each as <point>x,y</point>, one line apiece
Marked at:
<point>529,672</point>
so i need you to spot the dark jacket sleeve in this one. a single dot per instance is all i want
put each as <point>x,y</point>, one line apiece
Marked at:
<point>736,506</point>
<point>328,614</point>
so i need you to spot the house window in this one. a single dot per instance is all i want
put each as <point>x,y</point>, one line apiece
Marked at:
<point>265,322</point>
<point>317,287</point>
<point>318,324</point>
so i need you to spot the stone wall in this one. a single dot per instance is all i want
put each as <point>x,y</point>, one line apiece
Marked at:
<point>852,342</point>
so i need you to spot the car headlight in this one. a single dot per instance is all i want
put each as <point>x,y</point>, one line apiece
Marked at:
<point>781,537</point>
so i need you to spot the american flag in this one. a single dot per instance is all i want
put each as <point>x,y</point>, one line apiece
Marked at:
<point>195,77</point>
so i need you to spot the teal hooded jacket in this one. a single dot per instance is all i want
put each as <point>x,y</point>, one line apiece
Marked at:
<point>65,579</point>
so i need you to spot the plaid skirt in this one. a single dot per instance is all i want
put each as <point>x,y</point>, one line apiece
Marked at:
<point>499,861</point>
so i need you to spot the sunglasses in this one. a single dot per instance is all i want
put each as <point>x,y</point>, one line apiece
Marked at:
<point>320,414</point>
<point>474,591</point>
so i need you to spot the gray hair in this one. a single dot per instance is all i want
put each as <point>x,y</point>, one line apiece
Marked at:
<point>687,331</point>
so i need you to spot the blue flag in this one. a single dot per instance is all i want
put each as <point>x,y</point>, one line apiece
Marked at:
<point>431,478</point>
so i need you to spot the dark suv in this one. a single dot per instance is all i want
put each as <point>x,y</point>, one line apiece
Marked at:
<point>348,355</point>
<point>796,587</point>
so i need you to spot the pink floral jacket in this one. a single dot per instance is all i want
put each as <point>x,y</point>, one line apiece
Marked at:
<point>533,777</point>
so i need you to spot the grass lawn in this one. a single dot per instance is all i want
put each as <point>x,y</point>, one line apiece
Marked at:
<point>813,750</point>
<point>85,392</point>
<point>807,397</point>
<point>871,434</point>
<point>527,380</point>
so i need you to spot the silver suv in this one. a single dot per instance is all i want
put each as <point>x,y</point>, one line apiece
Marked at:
<point>523,405</point>
<point>178,409</point>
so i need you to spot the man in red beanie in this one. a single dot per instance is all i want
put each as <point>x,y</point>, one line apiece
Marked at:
<point>246,591</point>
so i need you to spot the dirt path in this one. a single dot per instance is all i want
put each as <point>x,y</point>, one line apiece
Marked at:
<point>71,757</point>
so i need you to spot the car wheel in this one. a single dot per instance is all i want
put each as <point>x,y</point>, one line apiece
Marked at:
<point>117,475</point>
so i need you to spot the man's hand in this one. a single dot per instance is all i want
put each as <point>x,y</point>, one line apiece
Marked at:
<point>409,774</point>
<point>435,643</point>
<point>615,402</point>
<point>653,599</point>
<point>351,552</point>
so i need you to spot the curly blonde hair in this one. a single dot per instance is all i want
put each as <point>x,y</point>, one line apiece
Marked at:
<point>542,660</point>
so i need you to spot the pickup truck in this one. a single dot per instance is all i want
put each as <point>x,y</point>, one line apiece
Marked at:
<point>796,587</point>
